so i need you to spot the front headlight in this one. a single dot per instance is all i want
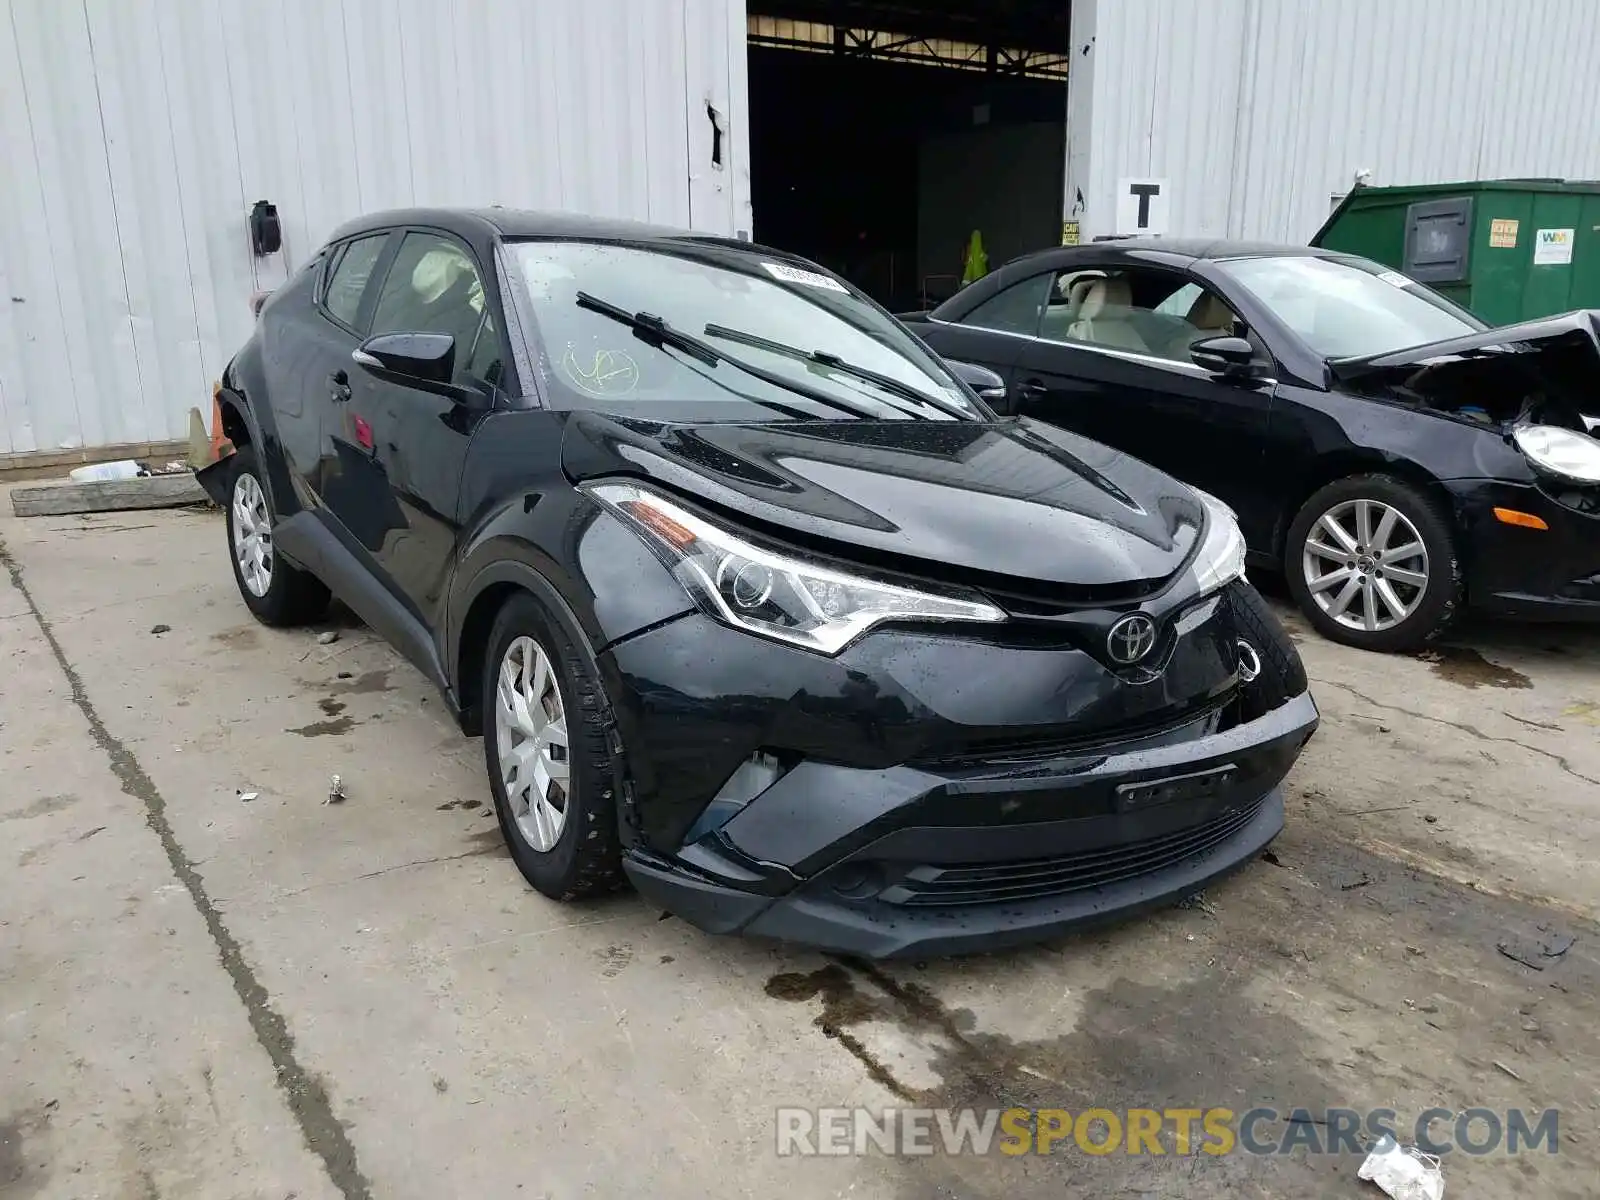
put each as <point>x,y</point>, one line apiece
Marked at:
<point>1560,452</point>
<point>1220,559</point>
<point>771,594</point>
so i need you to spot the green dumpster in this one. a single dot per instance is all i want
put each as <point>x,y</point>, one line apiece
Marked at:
<point>1505,249</point>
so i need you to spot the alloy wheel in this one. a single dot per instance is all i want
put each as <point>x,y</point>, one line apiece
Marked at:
<point>1365,565</point>
<point>252,535</point>
<point>531,728</point>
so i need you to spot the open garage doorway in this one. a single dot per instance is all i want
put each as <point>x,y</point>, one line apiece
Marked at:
<point>883,134</point>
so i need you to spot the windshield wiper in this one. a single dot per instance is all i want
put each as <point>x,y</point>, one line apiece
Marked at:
<point>826,359</point>
<point>656,332</point>
<point>652,329</point>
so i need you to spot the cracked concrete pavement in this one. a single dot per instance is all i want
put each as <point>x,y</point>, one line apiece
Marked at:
<point>206,997</point>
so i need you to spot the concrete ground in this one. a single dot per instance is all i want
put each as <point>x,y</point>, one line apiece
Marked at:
<point>204,996</point>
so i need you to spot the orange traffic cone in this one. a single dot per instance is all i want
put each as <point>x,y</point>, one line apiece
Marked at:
<point>221,447</point>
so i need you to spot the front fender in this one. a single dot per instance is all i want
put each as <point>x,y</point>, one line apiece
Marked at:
<point>581,561</point>
<point>215,477</point>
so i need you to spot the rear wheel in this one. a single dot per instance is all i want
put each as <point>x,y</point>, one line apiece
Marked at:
<point>545,748</point>
<point>276,592</point>
<point>1371,562</point>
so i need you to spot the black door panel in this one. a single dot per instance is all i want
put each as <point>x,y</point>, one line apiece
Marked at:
<point>397,450</point>
<point>300,349</point>
<point>330,332</point>
<point>1203,430</point>
<point>401,452</point>
<point>987,348</point>
<point>1099,346</point>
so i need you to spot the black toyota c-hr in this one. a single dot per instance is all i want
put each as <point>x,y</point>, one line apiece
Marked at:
<point>751,597</point>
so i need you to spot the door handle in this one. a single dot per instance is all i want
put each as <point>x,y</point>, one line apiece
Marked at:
<point>1031,389</point>
<point>339,387</point>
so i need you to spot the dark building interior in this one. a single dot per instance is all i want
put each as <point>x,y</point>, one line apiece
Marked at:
<point>883,134</point>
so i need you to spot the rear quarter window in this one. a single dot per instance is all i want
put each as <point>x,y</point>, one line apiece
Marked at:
<point>348,278</point>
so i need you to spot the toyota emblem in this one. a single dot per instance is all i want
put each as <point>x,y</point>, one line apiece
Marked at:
<point>1131,639</point>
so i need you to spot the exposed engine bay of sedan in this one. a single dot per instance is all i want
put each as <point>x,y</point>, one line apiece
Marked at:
<point>1545,382</point>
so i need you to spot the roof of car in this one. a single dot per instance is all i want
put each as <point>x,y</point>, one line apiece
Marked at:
<point>517,222</point>
<point>1210,248</point>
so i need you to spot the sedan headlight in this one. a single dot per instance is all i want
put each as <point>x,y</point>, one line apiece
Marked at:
<point>1560,452</point>
<point>771,594</point>
<point>1220,559</point>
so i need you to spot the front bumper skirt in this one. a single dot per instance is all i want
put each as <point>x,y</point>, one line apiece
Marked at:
<point>908,861</point>
<point>1548,574</point>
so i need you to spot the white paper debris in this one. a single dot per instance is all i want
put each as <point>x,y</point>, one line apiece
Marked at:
<point>1404,1172</point>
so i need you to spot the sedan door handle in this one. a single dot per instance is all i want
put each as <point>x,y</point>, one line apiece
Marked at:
<point>1032,389</point>
<point>339,387</point>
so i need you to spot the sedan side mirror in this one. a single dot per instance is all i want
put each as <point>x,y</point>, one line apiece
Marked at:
<point>989,386</point>
<point>425,359</point>
<point>1233,357</point>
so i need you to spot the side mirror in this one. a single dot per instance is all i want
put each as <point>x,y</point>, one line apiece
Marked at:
<point>989,386</point>
<point>425,359</point>
<point>1233,357</point>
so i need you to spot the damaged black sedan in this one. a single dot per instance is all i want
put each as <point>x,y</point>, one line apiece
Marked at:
<point>1394,458</point>
<point>752,599</point>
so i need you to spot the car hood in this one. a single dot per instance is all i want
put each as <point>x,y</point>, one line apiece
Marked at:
<point>1574,330</point>
<point>1534,372</point>
<point>1010,499</point>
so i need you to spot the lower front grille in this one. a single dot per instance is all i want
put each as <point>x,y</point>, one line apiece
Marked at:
<point>1197,720</point>
<point>1037,878</point>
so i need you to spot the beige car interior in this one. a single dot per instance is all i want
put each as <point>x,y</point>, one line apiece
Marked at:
<point>1105,316</point>
<point>1063,306</point>
<point>1098,309</point>
<point>1211,317</point>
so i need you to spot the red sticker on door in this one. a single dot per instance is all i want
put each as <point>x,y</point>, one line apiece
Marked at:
<point>363,434</point>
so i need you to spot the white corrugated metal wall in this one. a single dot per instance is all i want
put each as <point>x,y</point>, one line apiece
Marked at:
<point>1257,112</point>
<point>135,135</point>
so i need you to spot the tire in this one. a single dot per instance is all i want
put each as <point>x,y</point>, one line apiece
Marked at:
<point>1282,676</point>
<point>1371,620</point>
<point>292,596</point>
<point>583,856</point>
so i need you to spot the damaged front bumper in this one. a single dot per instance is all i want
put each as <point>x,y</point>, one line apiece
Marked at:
<point>915,861</point>
<point>1529,573</point>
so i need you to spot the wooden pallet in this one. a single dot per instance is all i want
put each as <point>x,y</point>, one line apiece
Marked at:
<point>148,491</point>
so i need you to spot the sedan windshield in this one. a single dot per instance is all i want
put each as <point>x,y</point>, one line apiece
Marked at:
<point>1349,308</point>
<point>697,331</point>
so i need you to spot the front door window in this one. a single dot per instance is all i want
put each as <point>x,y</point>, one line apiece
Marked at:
<point>433,287</point>
<point>1155,313</point>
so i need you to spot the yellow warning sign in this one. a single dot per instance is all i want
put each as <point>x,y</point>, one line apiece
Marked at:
<point>1069,233</point>
<point>1502,233</point>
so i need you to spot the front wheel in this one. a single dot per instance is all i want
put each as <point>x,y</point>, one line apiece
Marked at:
<point>1371,562</point>
<point>545,747</point>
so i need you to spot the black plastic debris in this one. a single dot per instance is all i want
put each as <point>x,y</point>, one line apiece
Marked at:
<point>1539,951</point>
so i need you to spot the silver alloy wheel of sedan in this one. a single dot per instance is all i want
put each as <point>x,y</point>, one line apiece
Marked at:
<point>1365,565</point>
<point>531,735</point>
<point>252,535</point>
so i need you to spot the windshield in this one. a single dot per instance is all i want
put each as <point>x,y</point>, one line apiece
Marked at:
<point>1349,308</point>
<point>776,342</point>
